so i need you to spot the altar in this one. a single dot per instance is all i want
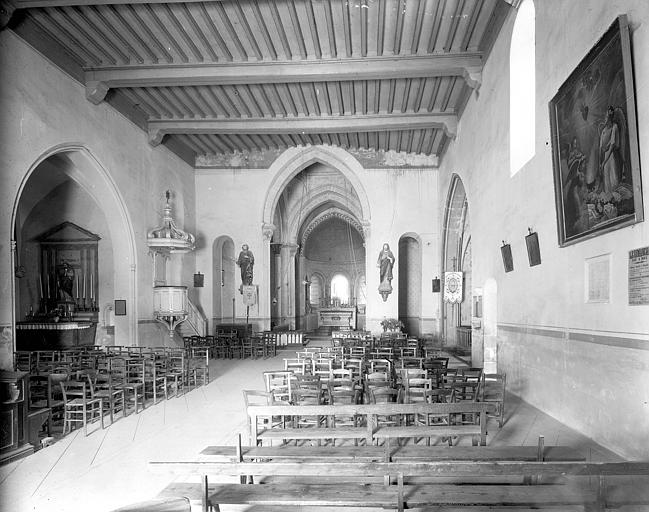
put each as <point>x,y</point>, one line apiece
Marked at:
<point>54,335</point>
<point>341,316</point>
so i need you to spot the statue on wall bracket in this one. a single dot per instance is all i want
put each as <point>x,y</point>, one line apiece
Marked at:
<point>246,262</point>
<point>385,263</point>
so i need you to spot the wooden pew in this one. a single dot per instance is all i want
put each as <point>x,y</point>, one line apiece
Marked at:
<point>369,415</point>
<point>564,484</point>
<point>397,454</point>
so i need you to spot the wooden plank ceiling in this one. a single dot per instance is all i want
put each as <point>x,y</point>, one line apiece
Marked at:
<point>217,77</point>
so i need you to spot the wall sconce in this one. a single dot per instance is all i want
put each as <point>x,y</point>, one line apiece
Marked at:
<point>533,249</point>
<point>198,280</point>
<point>436,285</point>
<point>506,252</point>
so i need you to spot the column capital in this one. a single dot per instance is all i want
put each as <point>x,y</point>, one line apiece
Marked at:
<point>291,248</point>
<point>267,231</point>
<point>365,224</point>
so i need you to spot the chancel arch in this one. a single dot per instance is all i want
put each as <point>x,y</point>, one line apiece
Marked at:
<point>318,213</point>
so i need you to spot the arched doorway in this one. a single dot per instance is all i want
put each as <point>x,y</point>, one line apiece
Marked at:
<point>409,261</point>
<point>68,186</point>
<point>224,279</point>
<point>456,257</point>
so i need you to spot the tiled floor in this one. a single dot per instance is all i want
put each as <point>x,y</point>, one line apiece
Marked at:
<point>108,469</point>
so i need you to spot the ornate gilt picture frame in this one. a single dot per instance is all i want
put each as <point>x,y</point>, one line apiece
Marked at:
<point>595,142</point>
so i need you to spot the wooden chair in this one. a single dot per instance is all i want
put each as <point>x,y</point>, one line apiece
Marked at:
<point>199,366</point>
<point>80,405</point>
<point>493,390</point>
<point>256,397</point>
<point>297,366</point>
<point>279,384</point>
<point>270,344</point>
<point>176,370</point>
<point>322,368</point>
<point>155,377</point>
<point>129,376</point>
<point>113,398</point>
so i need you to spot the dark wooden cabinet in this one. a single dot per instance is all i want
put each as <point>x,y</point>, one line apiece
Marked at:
<point>13,416</point>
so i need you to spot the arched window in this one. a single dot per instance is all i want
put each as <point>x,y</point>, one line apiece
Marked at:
<point>315,290</point>
<point>522,88</point>
<point>340,288</point>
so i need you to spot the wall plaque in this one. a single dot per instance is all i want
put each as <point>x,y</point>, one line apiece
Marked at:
<point>598,278</point>
<point>639,276</point>
<point>249,294</point>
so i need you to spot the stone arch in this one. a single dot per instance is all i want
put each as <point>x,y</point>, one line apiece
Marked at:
<point>224,278</point>
<point>454,237</point>
<point>294,160</point>
<point>87,171</point>
<point>410,275</point>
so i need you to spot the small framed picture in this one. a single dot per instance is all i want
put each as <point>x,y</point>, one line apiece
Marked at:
<point>533,251</point>
<point>508,261</point>
<point>120,307</point>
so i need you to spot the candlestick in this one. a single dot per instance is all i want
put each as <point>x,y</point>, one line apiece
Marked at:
<point>92,288</point>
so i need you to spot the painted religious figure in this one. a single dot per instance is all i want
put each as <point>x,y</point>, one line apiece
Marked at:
<point>592,114</point>
<point>246,261</point>
<point>65,280</point>
<point>385,263</point>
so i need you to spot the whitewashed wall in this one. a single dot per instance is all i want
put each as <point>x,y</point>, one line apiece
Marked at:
<point>44,109</point>
<point>231,202</point>
<point>585,364</point>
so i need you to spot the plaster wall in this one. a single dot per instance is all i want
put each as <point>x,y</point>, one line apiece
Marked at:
<point>44,111</point>
<point>394,202</point>
<point>585,364</point>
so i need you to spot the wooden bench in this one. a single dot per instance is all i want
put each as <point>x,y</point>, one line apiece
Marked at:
<point>404,453</point>
<point>369,416</point>
<point>564,484</point>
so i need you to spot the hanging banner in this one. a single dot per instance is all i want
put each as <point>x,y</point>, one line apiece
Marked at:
<point>453,287</point>
<point>249,295</point>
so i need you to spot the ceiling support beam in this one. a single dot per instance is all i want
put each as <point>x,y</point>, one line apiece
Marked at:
<point>32,4</point>
<point>467,65</point>
<point>158,128</point>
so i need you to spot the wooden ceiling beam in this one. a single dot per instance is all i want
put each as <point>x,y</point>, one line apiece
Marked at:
<point>32,4</point>
<point>466,65</point>
<point>304,125</point>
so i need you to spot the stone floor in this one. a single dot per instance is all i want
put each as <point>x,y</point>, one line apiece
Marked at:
<point>108,468</point>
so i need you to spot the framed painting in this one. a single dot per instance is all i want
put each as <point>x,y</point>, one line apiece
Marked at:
<point>120,307</point>
<point>533,249</point>
<point>595,142</point>
<point>506,253</point>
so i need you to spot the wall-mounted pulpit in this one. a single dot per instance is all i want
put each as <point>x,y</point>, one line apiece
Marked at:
<point>170,306</point>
